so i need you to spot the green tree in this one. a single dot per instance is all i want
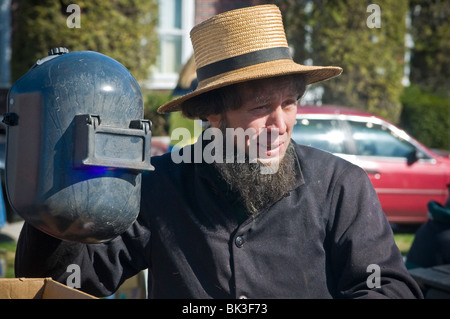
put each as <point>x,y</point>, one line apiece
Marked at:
<point>336,33</point>
<point>426,103</point>
<point>125,30</point>
<point>426,116</point>
<point>430,29</point>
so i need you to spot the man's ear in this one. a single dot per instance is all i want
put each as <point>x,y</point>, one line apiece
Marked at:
<point>214,120</point>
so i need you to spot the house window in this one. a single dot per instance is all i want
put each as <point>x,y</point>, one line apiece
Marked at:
<point>176,19</point>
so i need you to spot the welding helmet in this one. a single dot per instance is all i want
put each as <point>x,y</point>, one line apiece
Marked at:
<point>76,146</point>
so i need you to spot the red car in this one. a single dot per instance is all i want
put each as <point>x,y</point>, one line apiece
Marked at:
<point>405,174</point>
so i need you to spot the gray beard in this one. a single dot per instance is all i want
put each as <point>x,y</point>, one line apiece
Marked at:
<point>259,191</point>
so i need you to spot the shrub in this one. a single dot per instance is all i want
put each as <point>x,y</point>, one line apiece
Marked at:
<point>426,116</point>
<point>152,101</point>
<point>124,30</point>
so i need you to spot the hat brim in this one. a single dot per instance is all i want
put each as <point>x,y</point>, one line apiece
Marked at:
<point>313,74</point>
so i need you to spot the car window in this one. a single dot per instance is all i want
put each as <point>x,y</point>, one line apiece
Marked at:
<point>377,140</point>
<point>323,134</point>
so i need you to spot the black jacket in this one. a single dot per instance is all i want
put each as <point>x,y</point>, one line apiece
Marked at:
<point>316,242</point>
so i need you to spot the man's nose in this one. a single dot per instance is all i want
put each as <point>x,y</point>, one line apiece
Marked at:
<point>276,120</point>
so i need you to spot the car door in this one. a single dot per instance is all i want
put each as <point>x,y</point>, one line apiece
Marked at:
<point>404,176</point>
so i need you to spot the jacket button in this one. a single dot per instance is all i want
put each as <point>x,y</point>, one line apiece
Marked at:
<point>239,241</point>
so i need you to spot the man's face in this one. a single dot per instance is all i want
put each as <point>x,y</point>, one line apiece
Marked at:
<point>269,108</point>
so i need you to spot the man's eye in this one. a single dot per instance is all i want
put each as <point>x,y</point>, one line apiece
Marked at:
<point>260,107</point>
<point>289,103</point>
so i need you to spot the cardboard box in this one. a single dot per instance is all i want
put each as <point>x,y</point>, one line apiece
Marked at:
<point>38,288</point>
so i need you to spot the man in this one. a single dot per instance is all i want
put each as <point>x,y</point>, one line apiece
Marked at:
<point>310,228</point>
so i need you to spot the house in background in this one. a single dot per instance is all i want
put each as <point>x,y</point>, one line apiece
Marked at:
<point>176,19</point>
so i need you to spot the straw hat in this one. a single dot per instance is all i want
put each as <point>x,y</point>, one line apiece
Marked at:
<point>242,45</point>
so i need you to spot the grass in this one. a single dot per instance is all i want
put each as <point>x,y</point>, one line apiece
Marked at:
<point>404,236</point>
<point>404,242</point>
<point>8,252</point>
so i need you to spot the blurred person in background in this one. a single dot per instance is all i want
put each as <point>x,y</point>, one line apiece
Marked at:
<point>187,82</point>
<point>431,245</point>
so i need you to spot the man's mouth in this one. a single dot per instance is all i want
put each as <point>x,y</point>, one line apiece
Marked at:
<point>270,149</point>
